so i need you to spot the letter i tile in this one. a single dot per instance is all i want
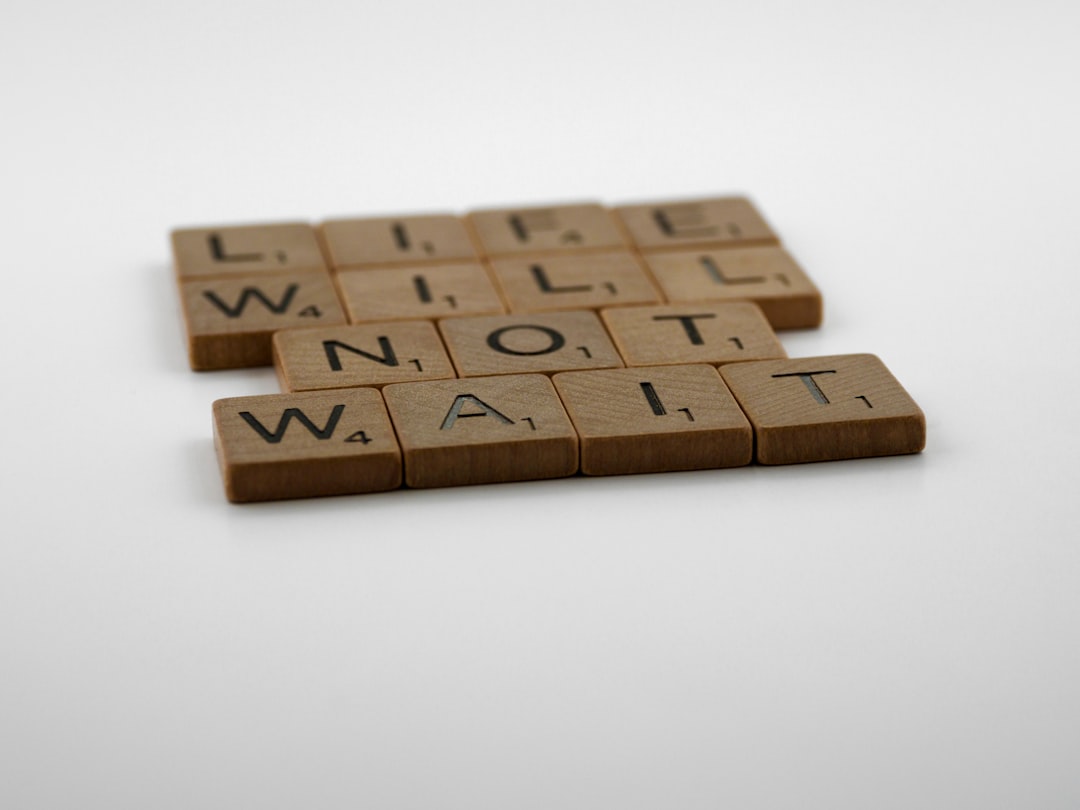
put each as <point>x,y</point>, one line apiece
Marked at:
<point>655,419</point>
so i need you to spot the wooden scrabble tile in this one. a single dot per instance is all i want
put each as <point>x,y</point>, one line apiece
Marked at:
<point>721,221</point>
<point>482,430</point>
<point>767,276</point>
<point>574,281</point>
<point>557,228</point>
<point>678,334</point>
<point>230,321</point>
<point>370,354</point>
<point>305,445</point>
<point>400,293</point>
<point>825,408</point>
<point>520,344</point>
<point>657,419</point>
<point>412,240</point>
<point>245,250</point>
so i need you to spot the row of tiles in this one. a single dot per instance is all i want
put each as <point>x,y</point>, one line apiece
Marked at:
<point>378,354</point>
<point>229,322</point>
<point>209,252</point>
<point>530,426</point>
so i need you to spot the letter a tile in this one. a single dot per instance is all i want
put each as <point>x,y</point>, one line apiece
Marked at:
<point>304,445</point>
<point>482,430</point>
<point>826,408</point>
<point>655,419</point>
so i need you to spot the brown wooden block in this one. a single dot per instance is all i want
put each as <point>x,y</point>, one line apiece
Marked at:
<point>412,240</point>
<point>245,250</point>
<point>557,228</point>
<point>230,321</point>
<point>400,293</point>
<point>371,354</point>
<point>658,419</point>
<point>721,221</point>
<point>767,276</point>
<point>305,445</point>
<point>826,408</point>
<point>679,334</point>
<point>574,281</point>
<point>520,344</point>
<point>482,431</point>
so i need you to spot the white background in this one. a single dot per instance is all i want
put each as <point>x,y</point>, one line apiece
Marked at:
<point>889,633</point>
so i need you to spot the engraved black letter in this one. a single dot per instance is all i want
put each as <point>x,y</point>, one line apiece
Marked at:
<point>217,250</point>
<point>688,324</point>
<point>286,417</point>
<point>455,411</point>
<point>544,283</point>
<point>388,358</point>
<point>495,340</point>
<point>252,292</point>
<point>811,384</point>
<point>654,400</point>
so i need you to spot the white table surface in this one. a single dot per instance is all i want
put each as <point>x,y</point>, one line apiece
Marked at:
<point>888,633</point>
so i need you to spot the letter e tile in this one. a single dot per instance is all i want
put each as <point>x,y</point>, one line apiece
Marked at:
<point>721,221</point>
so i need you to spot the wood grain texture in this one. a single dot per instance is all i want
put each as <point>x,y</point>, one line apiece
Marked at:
<point>406,293</point>
<point>551,229</point>
<point>826,408</point>
<point>543,343</point>
<point>305,445</point>
<point>574,281</point>
<point>680,334</point>
<point>230,322</point>
<point>718,221</point>
<point>657,419</point>
<point>413,240</point>
<point>482,431</point>
<point>373,354</point>
<point>242,250</point>
<point>766,276</point>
